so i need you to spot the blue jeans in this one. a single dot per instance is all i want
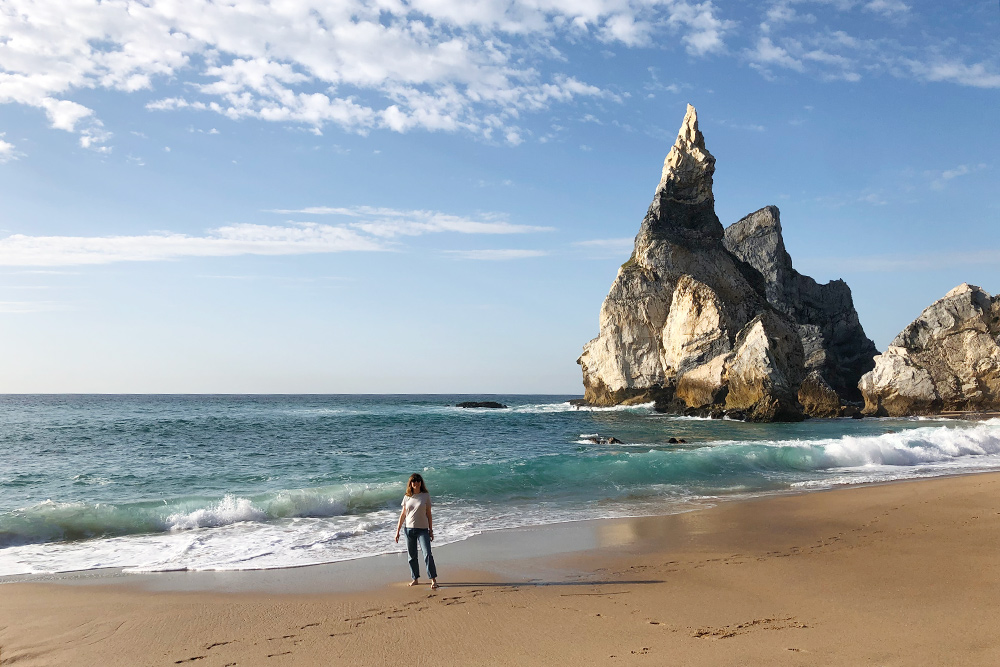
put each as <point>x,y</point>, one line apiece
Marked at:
<point>413,535</point>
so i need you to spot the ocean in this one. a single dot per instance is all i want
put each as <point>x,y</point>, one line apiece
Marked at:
<point>164,483</point>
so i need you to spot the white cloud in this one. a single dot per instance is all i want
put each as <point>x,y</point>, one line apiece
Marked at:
<point>888,8</point>
<point>449,65</point>
<point>655,85</point>
<point>369,229</point>
<point>389,227</point>
<point>496,254</point>
<point>702,30</point>
<point>65,115</point>
<point>978,75</point>
<point>781,13</point>
<point>627,29</point>
<point>623,242</point>
<point>940,179</point>
<point>241,239</point>
<point>767,53</point>
<point>8,151</point>
<point>873,198</point>
<point>328,210</point>
<point>475,66</point>
<point>389,223</point>
<point>603,248</point>
<point>829,45</point>
<point>22,307</point>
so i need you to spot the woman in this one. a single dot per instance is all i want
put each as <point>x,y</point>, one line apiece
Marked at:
<point>419,527</point>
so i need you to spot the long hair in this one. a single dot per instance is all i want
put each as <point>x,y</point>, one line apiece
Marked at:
<point>415,478</point>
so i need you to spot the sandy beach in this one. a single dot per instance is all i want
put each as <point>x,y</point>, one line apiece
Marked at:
<point>895,574</point>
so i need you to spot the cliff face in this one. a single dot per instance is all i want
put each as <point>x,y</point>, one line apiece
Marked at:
<point>710,321</point>
<point>946,359</point>
<point>833,341</point>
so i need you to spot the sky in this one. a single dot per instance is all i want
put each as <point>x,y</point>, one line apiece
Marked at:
<point>434,196</point>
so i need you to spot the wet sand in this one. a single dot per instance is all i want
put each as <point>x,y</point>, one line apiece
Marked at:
<point>897,574</point>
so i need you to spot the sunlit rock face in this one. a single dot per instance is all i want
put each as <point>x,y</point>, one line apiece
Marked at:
<point>833,341</point>
<point>701,327</point>
<point>946,359</point>
<point>818,398</point>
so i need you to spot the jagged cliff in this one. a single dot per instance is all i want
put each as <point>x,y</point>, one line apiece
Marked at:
<point>710,320</point>
<point>833,341</point>
<point>946,359</point>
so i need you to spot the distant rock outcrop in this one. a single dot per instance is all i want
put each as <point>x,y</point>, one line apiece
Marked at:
<point>707,321</point>
<point>948,359</point>
<point>493,405</point>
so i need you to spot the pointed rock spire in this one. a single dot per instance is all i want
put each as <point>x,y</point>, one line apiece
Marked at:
<point>684,206</point>
<point>688,169</point>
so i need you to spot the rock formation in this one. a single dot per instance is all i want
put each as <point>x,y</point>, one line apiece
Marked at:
<point>946,359</point>
<point>818,398</point>
<point>833,341</point>
<point>710,321</point>
<point>493,405</point>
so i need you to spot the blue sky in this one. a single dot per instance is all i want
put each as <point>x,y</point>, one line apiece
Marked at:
<point>435,196</point>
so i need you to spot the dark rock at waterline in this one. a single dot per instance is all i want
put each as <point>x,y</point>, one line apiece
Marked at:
<point>481,404</point>
<point>580,403</point>
<point>603,440</point>
<point>676,441</point>
<point>851,410</point>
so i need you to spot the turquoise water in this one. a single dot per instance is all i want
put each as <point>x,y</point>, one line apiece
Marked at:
<point>151,483</point>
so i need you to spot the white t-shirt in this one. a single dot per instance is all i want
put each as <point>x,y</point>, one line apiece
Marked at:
<point>416,510</point>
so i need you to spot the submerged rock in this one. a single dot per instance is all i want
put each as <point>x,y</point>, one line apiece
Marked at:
<point>703,320</point>
<point>948,359</point>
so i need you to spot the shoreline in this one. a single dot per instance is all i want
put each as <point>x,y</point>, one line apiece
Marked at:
<point>794,467</point>
<point>487,551</point>
<point>894,573</point>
